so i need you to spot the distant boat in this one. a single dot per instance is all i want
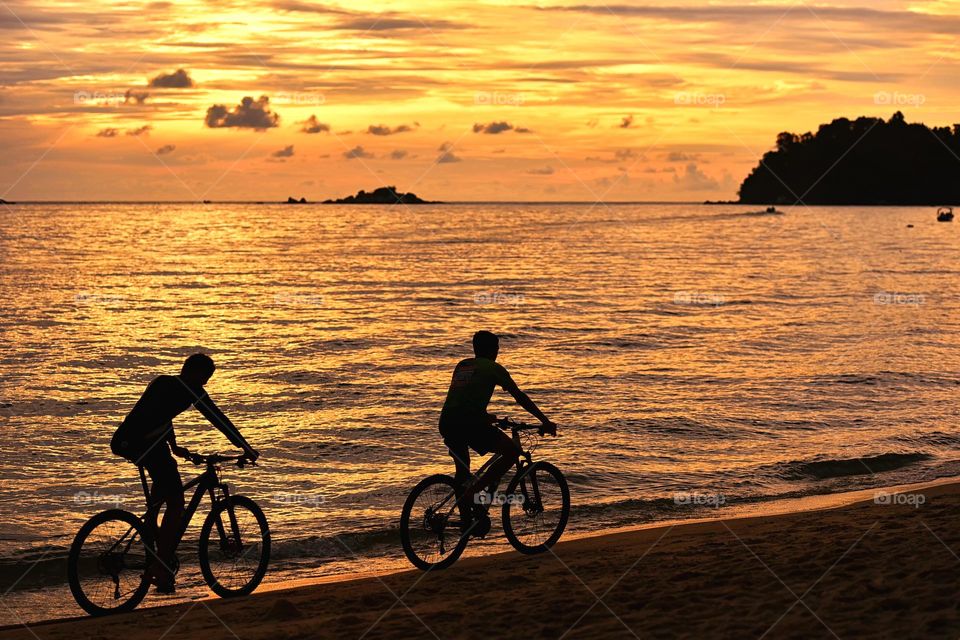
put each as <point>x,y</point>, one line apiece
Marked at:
<point>769,211</point>
<point>945,214</point>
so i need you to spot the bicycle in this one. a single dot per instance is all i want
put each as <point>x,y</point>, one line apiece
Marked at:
<point>535,508</point>
<point>111,552</point>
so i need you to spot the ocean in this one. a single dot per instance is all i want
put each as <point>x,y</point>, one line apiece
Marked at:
<point>695,358</point>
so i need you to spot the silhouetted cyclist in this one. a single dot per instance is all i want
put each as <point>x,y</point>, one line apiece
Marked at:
<point>465,423</point>
<point>146,437</point>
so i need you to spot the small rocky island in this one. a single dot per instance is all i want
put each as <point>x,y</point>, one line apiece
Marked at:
<point>292,200</point>
<point>383,195</point>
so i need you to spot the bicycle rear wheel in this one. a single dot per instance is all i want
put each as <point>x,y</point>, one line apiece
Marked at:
<point>537,508</point>
<point>234,551</point>
<point>431,540</point>
<point>107,562</point>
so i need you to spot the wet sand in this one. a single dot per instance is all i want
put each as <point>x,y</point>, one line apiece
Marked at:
<point>864,570</point>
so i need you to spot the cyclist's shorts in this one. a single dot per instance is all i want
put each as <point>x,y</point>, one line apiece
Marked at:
<point>481,439</point>
<point>162,467</point>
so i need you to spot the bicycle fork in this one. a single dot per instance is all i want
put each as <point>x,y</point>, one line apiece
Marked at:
<point>228,544</point>
<point>527,473</point>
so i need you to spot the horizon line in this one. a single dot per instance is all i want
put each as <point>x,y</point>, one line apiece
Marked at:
<point>316,202</point>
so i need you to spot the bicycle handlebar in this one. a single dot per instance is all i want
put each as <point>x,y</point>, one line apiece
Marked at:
<point>507,423</point>
<point>215,458</point>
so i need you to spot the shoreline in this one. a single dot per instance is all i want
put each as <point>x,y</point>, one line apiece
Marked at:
<point>602,556</point>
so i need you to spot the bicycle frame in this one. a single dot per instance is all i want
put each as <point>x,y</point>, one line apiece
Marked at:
<point>207,482</point>
<point>523,460</point>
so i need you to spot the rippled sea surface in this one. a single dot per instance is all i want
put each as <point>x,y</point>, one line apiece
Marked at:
<point>691,355</point>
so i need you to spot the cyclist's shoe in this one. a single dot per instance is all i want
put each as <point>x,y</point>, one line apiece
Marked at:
<point>165,588</point>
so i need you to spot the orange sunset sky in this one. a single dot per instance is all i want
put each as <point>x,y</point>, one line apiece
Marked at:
<point>484,100</point>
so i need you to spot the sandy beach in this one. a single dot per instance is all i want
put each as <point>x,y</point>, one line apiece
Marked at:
<point>873,569</point>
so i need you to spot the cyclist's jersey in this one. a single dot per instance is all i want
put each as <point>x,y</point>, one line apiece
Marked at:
<point>474,380</point>
<point>164,399</point>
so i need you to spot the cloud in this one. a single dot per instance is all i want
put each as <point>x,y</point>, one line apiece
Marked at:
<point>179,79</point>
<point>498,127</point>
<point>140,131</point>
<point>132,96</point>
<point>398,154</point>
<point>626,122</point>
<point>544,171</point>
<point>286,152</point>
<point>765,14</point>
<point>249,114</point>
<point>307,7</point>
<point>166,149</point>
<point>109,132</point>
<point>619,155</point>
<point>312,125</point>
<point>680,156</point>
<point>447,155</point>
<point>384,130</point>
<point>394,22</point>
<point>355,21</point>
<point>782,66</point>
<point>695,180</point>
<point>622,155</point>
<point>357,152</point>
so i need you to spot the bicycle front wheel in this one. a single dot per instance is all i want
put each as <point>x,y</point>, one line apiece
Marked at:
<point>431,540</point>
<point>537,508</point>
<point>107,562</point>
<point>234,547</point>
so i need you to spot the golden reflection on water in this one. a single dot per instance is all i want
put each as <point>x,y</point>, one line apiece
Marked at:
<point>679,347</point>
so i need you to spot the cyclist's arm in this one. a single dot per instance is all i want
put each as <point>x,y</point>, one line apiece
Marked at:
<point>217,418</point>
<point>174,447</point>
<point>524,400</point>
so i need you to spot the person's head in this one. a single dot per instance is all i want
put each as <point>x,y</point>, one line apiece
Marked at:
<point>486,345</point>
<point>197,369</point>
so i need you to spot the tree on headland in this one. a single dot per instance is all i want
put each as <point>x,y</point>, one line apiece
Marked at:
<point>862,161</point>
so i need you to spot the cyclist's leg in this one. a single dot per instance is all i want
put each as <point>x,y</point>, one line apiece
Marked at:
<point>498,442</point>
<point>167,487</point>
<point>460,453</point>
